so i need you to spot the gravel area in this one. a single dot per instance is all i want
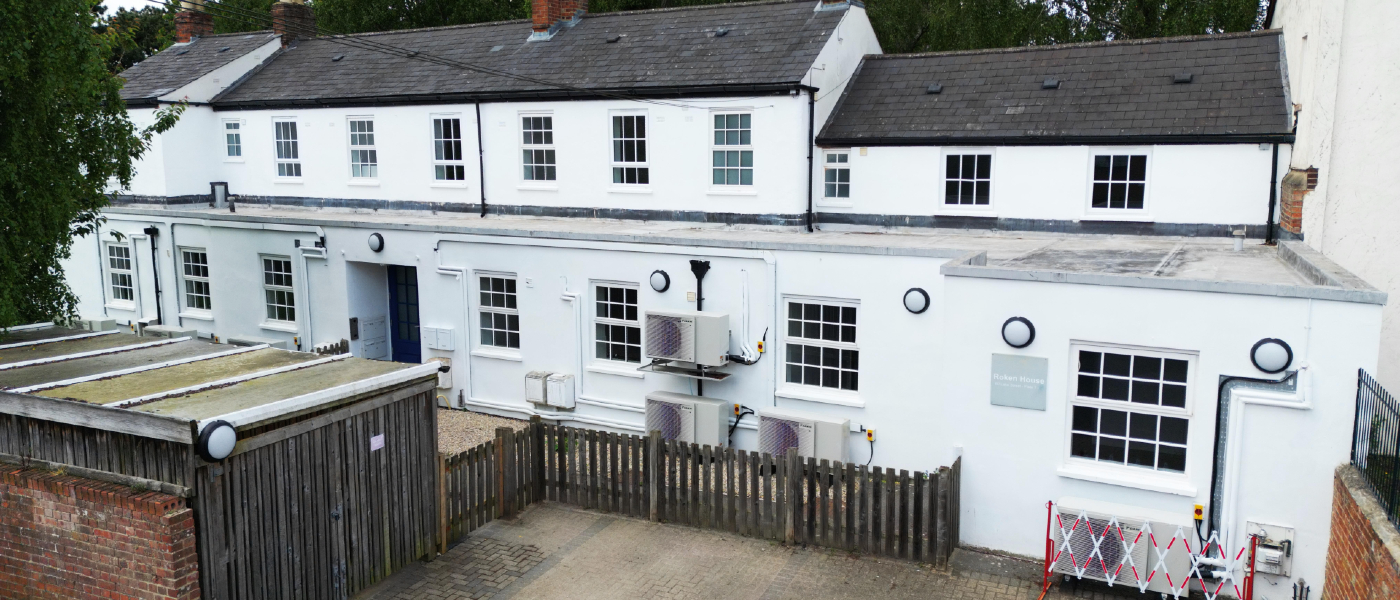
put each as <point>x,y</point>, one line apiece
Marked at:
<point>460,430</point>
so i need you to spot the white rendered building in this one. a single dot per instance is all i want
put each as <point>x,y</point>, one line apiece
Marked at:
<point>888,226</point>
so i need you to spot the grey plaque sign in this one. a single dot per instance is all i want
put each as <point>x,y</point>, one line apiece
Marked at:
<point>1019,381</point>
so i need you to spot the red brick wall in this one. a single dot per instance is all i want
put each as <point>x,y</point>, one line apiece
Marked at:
<point>1361,556</point>
<point>69,537</point>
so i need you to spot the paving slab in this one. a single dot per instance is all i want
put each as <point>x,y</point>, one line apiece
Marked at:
<point>557,551</point>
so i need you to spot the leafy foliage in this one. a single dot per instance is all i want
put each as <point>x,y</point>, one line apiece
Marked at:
<point>137,34</point>
<point>64,137</point>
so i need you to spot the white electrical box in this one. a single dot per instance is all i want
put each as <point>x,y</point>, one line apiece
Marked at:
<point>1274,555</point>
<point>695,337</point>
<point>686,418</point>
<point>559,391</point>
<point>438,338</point>
<point>535,386</point>
<point>811,434</point>
<point>444,379</point>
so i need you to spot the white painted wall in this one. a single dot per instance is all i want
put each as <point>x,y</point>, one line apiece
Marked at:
<point>1224,184</point>
<point>1345,76</point>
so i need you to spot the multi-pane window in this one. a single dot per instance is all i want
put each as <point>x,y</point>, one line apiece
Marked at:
<point>733,150</point>
<point>629,151</point>
<point>537,147</point>
<point>364,159</point>
<point>617,331</point>
<point>968,180</point>
<point>500,318</point>
<point>233,138</point>
<point>1120,181</point>
<point>288,155</point>
<point>1130,408</point>
<point>119,269</point>
<point>277,289</point>
<point>448,164</point>
<point>821,345</point>
<point>838,175</point>
<point>195,266</point>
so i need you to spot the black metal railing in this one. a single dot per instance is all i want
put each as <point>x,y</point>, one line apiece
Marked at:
<point>1375,442</point>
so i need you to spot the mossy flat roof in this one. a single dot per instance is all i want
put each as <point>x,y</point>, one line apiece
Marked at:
<point>145,383</point>
<point>266,390</point>
<point>53,349</point>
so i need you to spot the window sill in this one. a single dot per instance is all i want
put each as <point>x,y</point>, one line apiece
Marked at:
<point>838,204</point>
<point>620,371</point>
<point>510,355</point>
<point>1130,215</point>
<point>456,185</point>
<point>131,306</point>
<point>538,187</point>
<point>234,160</point>
<point>287,180</point>
<point>1177,485</point>
<point>198,316</point>
<point>363,183</point>
<point>283,326</point>
<point>636,189</point>
<point>735,192</point>
<point>966,212</point>
<point>823,396</point>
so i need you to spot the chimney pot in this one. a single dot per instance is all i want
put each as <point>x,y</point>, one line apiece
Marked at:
<point>192,22</point>
<point>547,16</point>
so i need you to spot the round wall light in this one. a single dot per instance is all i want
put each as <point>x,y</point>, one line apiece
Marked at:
<point>1271,355</point>
<point>216,441</point>
<point>376,242</point>
<point>916,300</point>
<point>660,281</point>
<point>1018,332</point>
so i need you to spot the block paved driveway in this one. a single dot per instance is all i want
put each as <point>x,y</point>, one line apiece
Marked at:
<point>557,551</point>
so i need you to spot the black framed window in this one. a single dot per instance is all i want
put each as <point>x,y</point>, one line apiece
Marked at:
<point>617,330</point>
<point>968,180</point>
<point>500,317</point>
<point>821,345</point>
<point>1130,408</point>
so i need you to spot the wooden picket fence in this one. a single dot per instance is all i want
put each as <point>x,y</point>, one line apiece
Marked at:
<point>885,512</point>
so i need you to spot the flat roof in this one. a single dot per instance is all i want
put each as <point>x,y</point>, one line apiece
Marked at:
<point>189,379</point>
<point>1290,269</point>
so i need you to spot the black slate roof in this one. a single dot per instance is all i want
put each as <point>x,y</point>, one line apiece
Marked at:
<point>1109,92</point>
<point>767,44</point>
<point>181,64</point>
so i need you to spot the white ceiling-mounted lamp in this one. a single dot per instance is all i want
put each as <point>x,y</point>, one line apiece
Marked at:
<point>916,300</point>
<point>660,281</point>
<point>1271,355</point>
<point>216,441</point>
<point>1018,332</point>
<point>376,242</point>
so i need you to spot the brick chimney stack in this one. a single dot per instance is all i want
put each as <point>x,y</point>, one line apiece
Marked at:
<point>192,22</point>
<point>293,20</point>
<point>549,15</point>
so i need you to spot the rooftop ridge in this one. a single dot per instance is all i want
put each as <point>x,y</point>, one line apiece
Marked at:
<point>585,16</point>
<point>1132,42</point>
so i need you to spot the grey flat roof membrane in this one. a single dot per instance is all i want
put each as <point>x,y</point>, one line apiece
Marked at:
<point>106,363</point>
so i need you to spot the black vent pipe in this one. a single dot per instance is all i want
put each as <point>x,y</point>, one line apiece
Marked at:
<point>154,231</point>
<point>700,268</point>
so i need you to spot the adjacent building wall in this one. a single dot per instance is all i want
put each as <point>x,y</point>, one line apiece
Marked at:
<point>1363,557</point>
<point>1344,74</point>
<point>66,537</point>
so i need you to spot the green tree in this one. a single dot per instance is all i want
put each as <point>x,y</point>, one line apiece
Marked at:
<point>355,16</point>
<point>64,138</point>
<point>1132,19</point>
<point>138,34</point>
<point>234,16</point>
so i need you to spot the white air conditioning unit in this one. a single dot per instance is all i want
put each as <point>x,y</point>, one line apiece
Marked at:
<point>813,435</point>
<point>1116,551</point>
<point>691,419</point>
<point>700,338</point>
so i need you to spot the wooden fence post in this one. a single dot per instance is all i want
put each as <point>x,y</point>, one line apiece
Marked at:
<point>505,500</point>
<point>944,547</point>
<point>537,457</point>
<point>442,503</point>
<point>652,474</point>
<point>791,462</point>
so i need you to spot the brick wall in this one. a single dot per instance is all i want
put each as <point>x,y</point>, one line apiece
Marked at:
<point>1363,556</point>
<point>69,537</point>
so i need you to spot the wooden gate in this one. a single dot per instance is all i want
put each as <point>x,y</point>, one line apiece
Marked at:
<point>324,507</point>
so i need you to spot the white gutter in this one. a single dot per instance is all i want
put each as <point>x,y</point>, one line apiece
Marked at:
<point>224,382</point>
<point>290,405</point>
<point>54,359</point>
<point>120,372</point>
<point>461,274</point>
<point>57,339</point>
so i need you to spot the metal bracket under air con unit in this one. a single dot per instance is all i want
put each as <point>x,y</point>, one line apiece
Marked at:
<point>661,365</point>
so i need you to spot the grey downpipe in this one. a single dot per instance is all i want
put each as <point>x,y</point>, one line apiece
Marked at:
<point>175,269</point>
<point>480,160</point>
<point>154,231</point>
<point>1273,198</point>
<point>101,270</point>
<point>1222,416</point>
<point>811,131</point>
<point>699,268</point>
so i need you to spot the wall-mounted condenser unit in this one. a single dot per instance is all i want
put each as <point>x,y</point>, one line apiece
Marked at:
<point>686,418</point>
<point>813,435</point>
<point>1131,520</point>
<point>701,338</point>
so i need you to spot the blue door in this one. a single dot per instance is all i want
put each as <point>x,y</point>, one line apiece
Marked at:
<point>403,309</point>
